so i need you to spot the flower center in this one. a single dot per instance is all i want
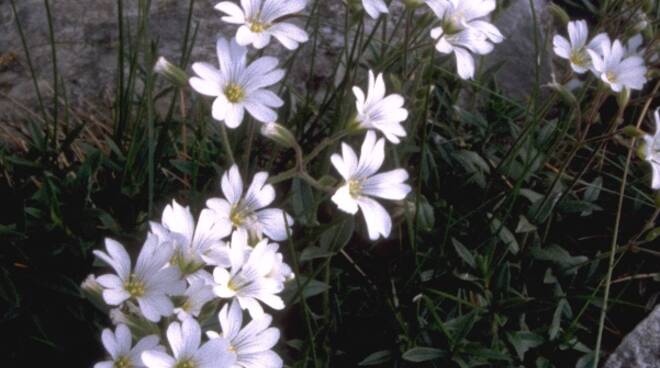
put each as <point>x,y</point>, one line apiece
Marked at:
<point>453,23</point>
<point>185,364</point>
<point>237,216</point>
<point>611,77</point>
<point>232,348</point>
<point>579,58</point>
<point>258,27</point>
<point>234,93</point>
<point>134,286</point>
<point>122,362</point>
<point>354,188</point>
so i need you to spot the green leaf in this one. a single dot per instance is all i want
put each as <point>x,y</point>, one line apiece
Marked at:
<point>423,354</point>
<point>313,252</point>
<point>560,256</point>
<point>522,341</point>
<point>464,253</point>
<point>504,234</point>
<point>376,358</point>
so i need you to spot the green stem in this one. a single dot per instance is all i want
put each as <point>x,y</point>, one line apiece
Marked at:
<point>226,144</point>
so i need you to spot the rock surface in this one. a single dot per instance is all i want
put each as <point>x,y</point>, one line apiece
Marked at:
<point>641,347</point>
<point>86,38</point>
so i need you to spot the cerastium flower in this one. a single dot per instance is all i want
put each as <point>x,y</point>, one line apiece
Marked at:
<point>262,19</point>
<point>248,213</point>
<point>238,86</point>
<point>615,68</point>
<point>253,342</point>
<point>652,151</point>
<point>123,354</point>
<point>149,284</point>
<point>464,31</point>
<point>575,48</point>
<point>185,343</point>
<point>380,112</point>
<point>361,183</point>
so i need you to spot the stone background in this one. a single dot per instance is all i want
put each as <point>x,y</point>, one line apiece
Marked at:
<point>86,39</point>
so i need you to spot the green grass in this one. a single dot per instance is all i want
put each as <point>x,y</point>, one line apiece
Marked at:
<point>518,233</point>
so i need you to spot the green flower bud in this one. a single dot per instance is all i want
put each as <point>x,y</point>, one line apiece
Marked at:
<point>171,72</point>
<point>559,13</point>
<point>93,291</point>
<point>633,132</point>
<point>279,134</point>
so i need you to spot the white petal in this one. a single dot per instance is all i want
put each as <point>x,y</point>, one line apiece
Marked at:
<point>157,359</point>
<point>344,200</point>
<point>205,87</point>
<point>273,224</point>
<point>464,63</point>
<point>232,185</point>
<point>231,320</point>
<point>387,185</point>
<point>377,219</point>
<point>215,353</point>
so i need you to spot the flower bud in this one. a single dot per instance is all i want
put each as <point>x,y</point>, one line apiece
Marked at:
<point>563,92</point>
<point>279,134</point>
<point>559,13</point>
<point>134,320</point>
<point>93,291</point>
<point>171,72</point>
<point>641,151</point>
<point>623,98</point>
<point>413,4</point>
<point>632,131</point>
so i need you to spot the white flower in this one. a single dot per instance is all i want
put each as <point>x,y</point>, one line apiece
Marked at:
<point>616,69</point>
<point>374,8</point>
<point>150,283</point>
<point>361,183</point>
<point>120,347</point>
<point>237,86</point>
<point>262,19</point>
<point>185,340</point>
<point>377,111</point>
<point>248,213</point>
<point>248,281</point>
<point>252,343</point>
<point>652,151</point>
<point>191,243</point>
<point>194,298</point>
<point>575,50</point>
<point>463,31</point>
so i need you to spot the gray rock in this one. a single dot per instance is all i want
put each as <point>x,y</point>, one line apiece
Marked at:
<point>516,53</point>
<point>641,347</point>
<point>86,38</point>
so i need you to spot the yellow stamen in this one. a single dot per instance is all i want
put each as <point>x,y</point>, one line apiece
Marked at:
<point>258,27</point>
<point>134,286</point>
<point>234,93</point>
<point>354,188</point>
<point>122,362</point>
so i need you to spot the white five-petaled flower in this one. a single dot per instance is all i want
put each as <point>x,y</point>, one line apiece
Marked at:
<point>247,213</point>
<point>150,283</point>
<point>237,86</point>
<point>464,31</point>
<point>198,293</point>
<point>252,343</point>
<point>185,341</point>
<point>377,111</point>
<point>191,243</point>
<point>575,48</point>
<point>262,19</point>
<point>248,279</point>
<point>375,7</point>
<point>652,151</point>
<point>615,69</point>
<point>120,347</point>
<point>361,183</point>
